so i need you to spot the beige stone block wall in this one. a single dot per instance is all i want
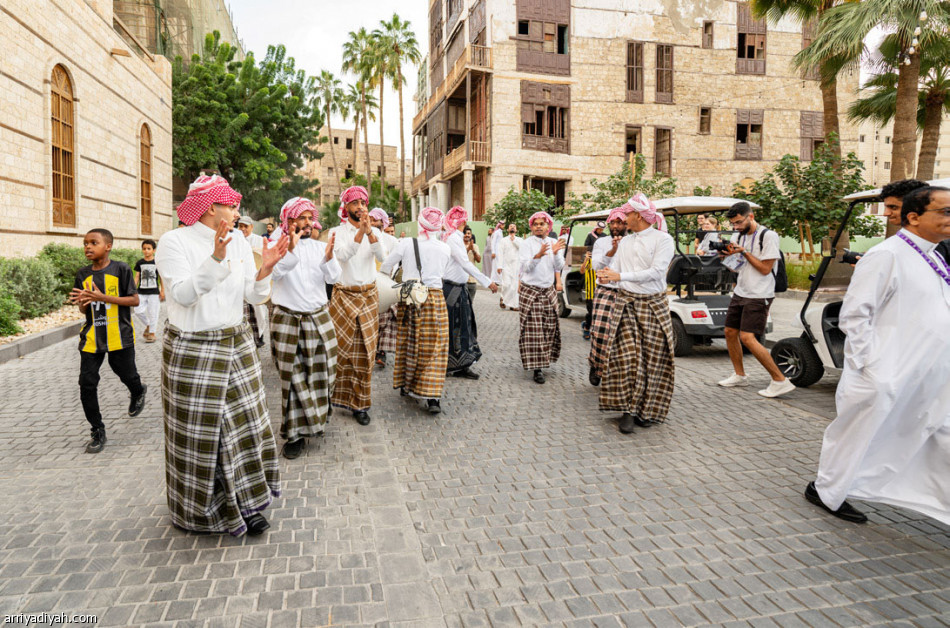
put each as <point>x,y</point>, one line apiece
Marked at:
<point>114,97</point>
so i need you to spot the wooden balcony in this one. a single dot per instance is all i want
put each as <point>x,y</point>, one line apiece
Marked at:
<point>481,152</point>
<point>453,162</point>
<point>472,58</point>
<point>418,182</point>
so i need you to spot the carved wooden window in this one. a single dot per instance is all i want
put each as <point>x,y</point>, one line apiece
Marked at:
<point>750,53</point>
<point>707,34</point>
<point>545,116</point>
<point>634,71</point>
<point>812,133</point>
<point>549,187</point>
<point>705,120</point>
<point>663,151</point>
<point>63,135</point>
<point>476,23</point>
<point>455,10</point>
<point>145,179</point>
<point>664,73</point>
<point>634,140</point>
<point>543,36</point>
<point>435,29</point>
<point>749,123</point>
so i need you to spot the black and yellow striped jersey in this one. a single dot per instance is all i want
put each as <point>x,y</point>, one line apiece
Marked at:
<point>108,326</point>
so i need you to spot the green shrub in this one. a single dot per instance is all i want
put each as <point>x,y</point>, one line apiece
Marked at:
<point>32,283</point>
<point>129,256</point>
<point>798,274</point>
<point>66,260</point>
<point>9,315</point>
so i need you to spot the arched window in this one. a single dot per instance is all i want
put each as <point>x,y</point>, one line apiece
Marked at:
<point>145,179</point>
<point>64,173</point>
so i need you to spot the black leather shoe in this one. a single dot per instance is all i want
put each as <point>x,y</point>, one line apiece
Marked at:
<point>642,422</point>
<point>593,377</point>
<point>433,406</point>
<point>97,443</point>
<point>403,392</point>
<point>846,511</point>
<point>259,341</point>
<point>138,402</point>
<point>539,376</point>
<point>626,423</point>
<point>362,417</point>
<point>256,524</point>
<point>293,448</point>
<point>467,373</point>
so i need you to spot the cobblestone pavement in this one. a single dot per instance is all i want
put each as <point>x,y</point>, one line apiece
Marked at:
<point>520,504</point>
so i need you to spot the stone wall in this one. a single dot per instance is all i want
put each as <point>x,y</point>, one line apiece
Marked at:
<point>114,96</point>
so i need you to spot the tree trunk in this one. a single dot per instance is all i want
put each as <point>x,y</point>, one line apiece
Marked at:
<point>904,150</point>
<point>382,145</point>
<point>369,161</point>
<point>336,168</point>
<point>931,136</point>
<point>356,142</point>
<point>402,153</point>
<point>829,102</point>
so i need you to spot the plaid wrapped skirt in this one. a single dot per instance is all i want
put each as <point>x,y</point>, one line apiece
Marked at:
<point>463,333</point>
<point>220,456</point>
<point>303,345</point>
<point>387,331</point>
<point>355,314</point>
<point>604,300</point>
<point>639,373</point>
<point>540,339</point>
<point>422,348</point>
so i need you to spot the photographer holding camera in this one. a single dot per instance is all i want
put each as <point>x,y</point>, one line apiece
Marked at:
<point>752,254</point>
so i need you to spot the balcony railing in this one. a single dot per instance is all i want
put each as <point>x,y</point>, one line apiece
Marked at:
<point>481,57</point>
<point>453,161</point>
<point>474,58</point>
<point>480,152</point>
<point>418,182</point>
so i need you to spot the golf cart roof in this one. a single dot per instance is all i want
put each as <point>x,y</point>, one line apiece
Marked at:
<point>683,205</point>
<point>875,194</point>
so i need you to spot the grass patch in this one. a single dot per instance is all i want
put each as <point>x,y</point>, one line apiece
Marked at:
<point>798,273</point>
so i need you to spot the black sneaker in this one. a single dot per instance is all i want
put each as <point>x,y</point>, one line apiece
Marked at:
<point>138,402</point>
<point>627,421</point>
<point>97,443</point>
<point>433,406</point>
<point>593,377</point>
<point>539,376</point>
<point>256,524</point>
<point>293,448</point>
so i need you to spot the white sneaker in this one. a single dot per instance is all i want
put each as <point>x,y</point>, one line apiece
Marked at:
<point>777,388</point>
<point>735,380</point>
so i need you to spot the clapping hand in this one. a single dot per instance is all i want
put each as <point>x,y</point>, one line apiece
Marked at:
<point>606,275</point>
<point>616,243</point>
<point>271,254</point>
<point>366,227</point>
<point>222,238</point>
<point>83,297</point>
<point>558,246</point>
<point>329,254</point>
<point>543,251</point>
<point>294,239</point>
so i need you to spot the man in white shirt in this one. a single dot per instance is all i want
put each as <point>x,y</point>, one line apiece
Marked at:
<point>496,237</point>
<point>354,304</point>
<point>757,252</point>
<point>464,351</point>
<point>303,341</point>
<point>422,349</point>
<point>604,255</point>
<point>639,376</point>
<point>890,442</point>
<point>540,257</point>
<point>386,342</point>
<point>221,462</point>
<point>256,314</point>
<point>507,265</point>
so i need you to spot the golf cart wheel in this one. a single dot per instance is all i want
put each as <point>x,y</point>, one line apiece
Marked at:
<point>562,310</point>
<point>798,361</point>
<point>682,342</point>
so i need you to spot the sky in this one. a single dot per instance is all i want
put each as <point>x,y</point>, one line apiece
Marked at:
<point>314,32</point>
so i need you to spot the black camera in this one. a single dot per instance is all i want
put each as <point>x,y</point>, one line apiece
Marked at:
<point>850,257</point>
<point>718,245</point>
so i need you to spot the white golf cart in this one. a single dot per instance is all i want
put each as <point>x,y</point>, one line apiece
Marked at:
<point>804,359</point>
<point>700,314</point>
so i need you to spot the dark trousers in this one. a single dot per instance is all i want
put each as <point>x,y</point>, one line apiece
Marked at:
<point>590,314</point>
<point>122,364</point>
<point>471,287</point>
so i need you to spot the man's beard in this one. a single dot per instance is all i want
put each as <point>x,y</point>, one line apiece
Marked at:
<point>746,230</point>
<point>618,232</point>
<point>304,235</point>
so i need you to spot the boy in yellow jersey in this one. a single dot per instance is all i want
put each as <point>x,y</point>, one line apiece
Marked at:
<point>106,294</point>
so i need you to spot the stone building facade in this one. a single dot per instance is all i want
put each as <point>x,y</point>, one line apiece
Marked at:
<point>554,93</point>
<point>85,128</point>
<point>342,144</point>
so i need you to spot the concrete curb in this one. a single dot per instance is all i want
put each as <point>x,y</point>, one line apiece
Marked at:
<point>35,342</point>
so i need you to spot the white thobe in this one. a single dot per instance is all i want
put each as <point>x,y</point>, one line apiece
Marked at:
<point>200,293</point>
<point>506,267</point>
<point>890,442</point>
<point>260,311</point>
<point>460,266</point>
<point>539,272</point>
<point>644,259</point>
<point>600,260</point>
<point>433,253</point>
<point>301,277</point>
<point>357,260</point>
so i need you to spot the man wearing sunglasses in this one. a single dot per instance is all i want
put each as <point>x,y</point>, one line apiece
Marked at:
<point>890,442</point>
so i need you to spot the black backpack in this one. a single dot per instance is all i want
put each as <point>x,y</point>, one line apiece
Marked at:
<point>778,270</point>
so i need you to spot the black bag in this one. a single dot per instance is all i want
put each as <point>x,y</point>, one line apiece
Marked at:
<point>778,270</point>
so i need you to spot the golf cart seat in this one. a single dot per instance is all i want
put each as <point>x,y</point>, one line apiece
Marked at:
<point>706,273</point>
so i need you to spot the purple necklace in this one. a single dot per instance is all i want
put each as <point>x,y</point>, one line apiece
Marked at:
<point>943,275</point>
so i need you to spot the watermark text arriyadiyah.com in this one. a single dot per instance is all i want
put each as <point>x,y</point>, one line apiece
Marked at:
<point>48,619</point>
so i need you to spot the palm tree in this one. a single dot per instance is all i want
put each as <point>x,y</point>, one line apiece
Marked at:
<point>405,49</point>
<point>807,10</point>
<point>330,94</point>
<point>357,53</point>
<point>350,106</point>
<point>379,61</point>
<point>370,106</point>
<point>933,98</point>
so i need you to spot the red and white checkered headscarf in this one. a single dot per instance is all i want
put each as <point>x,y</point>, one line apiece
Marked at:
<point>292,210</point>
<point>430,221</point>
<point>617,213</point>
<point>202,194</point>
<point>642,205</point>
<point>378,213</point>
<point>349,195</point>
<point>456,216</point>
<point>545,215</point>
